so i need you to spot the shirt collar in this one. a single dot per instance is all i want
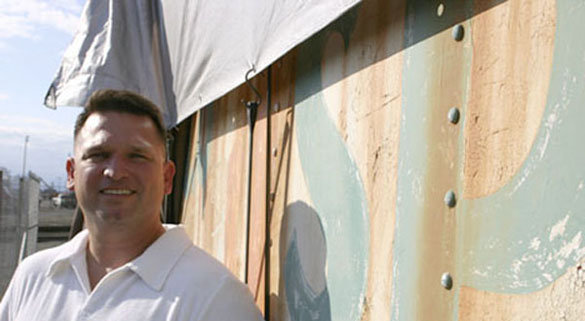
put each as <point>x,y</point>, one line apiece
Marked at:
<point>156,263</point>
<point>68,251</point>
<point>153,266</point>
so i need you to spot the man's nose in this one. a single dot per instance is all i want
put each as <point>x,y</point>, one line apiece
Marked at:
<point>115,168</point>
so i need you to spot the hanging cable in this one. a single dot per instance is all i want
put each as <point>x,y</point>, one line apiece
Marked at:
<point>268,199</point>
<point>252,112</point>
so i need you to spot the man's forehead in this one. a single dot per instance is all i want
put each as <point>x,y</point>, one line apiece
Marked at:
<point>104,118</point>
<point>100,126</point>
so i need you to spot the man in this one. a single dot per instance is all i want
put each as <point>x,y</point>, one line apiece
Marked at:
<point>126,265</point>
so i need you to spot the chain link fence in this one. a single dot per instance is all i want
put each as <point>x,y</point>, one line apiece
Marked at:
<point>19,214</point>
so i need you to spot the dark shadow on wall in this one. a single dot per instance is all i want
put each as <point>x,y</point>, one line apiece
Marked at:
<point>179,139</point>
<point>303,259</point>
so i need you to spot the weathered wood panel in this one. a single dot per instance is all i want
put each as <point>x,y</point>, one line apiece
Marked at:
<point>282,115</point>
<point>362,93</point>
<point>216,194</point>
<point>511,65</point>
<point>363,154</point>
<point>256,250</point>
<point>215,200</point>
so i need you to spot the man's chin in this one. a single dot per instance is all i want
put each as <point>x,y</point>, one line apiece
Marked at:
<point>113,215</point>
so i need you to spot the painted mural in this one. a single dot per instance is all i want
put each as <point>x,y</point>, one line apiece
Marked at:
<point>516,237</point>
<point>424,164</point>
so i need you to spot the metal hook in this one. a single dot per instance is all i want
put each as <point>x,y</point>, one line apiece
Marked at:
<point>258,96</point>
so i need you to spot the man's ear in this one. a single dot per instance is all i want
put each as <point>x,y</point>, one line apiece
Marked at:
<point>70,167</point>
<point>168,174</point>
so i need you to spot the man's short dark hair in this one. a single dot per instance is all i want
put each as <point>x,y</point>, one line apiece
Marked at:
<point>121,101</point>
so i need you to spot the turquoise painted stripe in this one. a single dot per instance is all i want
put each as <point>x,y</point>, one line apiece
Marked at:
<point>422,52</point>
<point>335,187</point>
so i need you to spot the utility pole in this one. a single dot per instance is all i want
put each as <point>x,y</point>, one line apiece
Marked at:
<point>24,157</point>
<point>1,193</point>
<point>21,195</point>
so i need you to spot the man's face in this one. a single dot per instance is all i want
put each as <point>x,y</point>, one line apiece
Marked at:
<point>119,172</point>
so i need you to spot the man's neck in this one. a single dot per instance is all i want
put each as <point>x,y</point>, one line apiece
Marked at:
<point>112,248</point>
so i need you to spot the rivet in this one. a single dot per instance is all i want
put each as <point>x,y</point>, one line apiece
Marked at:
<point>458,32</point>
<point>270,243</point>
<point>450,199</point>
<point>447,281</point>
<point>272,196</point>
<point>453,115</point>
<point>274,152</point>
<point>276,107</point>
<point>440,9</point>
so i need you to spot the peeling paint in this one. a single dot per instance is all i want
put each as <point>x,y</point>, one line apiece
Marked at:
<point>558,229</point>
<point>569,247</point>
<point>535,244</point>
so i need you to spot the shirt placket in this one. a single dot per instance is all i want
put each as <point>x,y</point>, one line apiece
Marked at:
<point>103,291</point>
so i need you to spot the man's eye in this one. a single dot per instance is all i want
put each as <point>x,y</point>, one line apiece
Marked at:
<point>137,156</point>
<point>97,156</point>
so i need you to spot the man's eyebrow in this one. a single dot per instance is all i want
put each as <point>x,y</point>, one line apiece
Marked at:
<point>95,148</point>
<point>141,148</point>
<point>146,151</point>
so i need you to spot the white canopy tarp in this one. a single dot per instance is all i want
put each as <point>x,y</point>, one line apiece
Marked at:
<point>182,54</point>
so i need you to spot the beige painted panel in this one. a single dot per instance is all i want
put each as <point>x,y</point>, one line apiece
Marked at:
<point>512,59</point>
<point>214,210</point>
<point>285,187</point>
<point>256,260</point>
<point>363,96</point>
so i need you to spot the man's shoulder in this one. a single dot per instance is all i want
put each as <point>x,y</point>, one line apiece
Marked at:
<point>34,269</point>
<point>202,266</point>
<point>199,278</point>
<point>39,262</point>
<point>42,260</point>
<point>191,262</point>
<point>223,295</point>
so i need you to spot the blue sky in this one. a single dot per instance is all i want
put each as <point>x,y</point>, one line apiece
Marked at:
<point>33,37</point>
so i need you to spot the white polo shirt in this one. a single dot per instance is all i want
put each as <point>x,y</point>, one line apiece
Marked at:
<point>171,280</point>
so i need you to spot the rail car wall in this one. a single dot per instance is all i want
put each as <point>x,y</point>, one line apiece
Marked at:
<point>378,195</point>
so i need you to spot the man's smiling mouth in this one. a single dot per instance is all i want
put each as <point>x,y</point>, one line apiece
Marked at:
<point>117,191</point>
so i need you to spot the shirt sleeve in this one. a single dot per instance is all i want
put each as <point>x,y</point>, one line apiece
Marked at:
<point>232,301</point>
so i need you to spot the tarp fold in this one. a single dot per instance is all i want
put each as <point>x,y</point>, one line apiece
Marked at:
<point>182,54</point>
